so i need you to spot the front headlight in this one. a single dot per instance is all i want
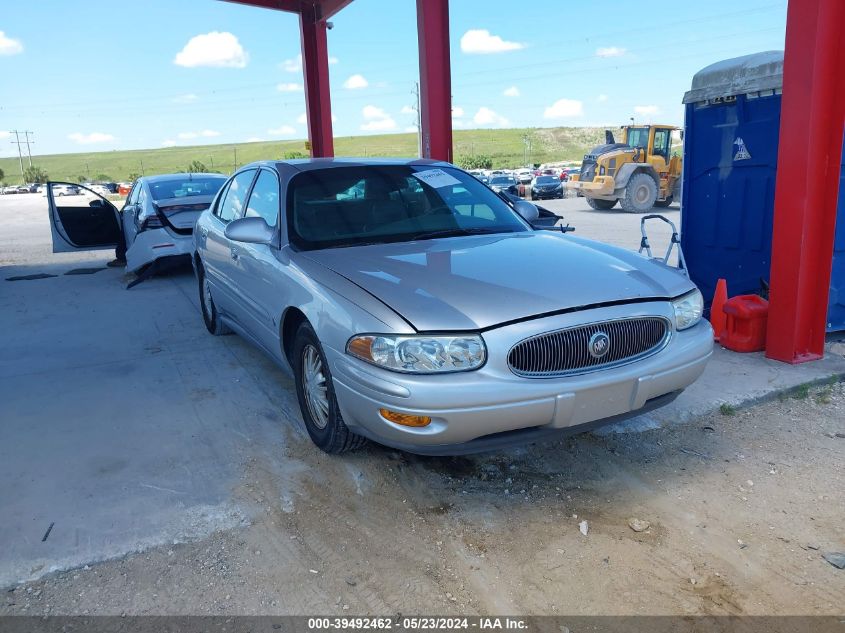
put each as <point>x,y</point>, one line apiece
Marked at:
<point>419,354</point>
<point>688,309</point>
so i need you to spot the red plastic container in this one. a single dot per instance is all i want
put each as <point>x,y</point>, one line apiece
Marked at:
<point>745,323</point>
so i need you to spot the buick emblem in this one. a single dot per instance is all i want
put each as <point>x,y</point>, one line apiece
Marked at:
<point>599,344</point>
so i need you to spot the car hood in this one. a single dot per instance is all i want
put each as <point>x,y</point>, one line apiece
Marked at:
<point>478,282</point>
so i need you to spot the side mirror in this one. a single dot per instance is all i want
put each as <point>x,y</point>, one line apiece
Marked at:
<point>527,210</point>
<point>97,203</point>
<point>250,230</point>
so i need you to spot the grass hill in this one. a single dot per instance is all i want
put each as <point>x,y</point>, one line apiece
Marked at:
<point>507,148</point>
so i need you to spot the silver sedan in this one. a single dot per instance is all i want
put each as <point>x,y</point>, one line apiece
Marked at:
<point>417,308</point>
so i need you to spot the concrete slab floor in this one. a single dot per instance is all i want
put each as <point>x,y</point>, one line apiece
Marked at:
<point>124,425</point>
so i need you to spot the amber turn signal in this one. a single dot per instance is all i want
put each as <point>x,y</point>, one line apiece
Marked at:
<point>405,419</point>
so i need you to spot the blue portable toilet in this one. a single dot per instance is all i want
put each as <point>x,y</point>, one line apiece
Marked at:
<point>731,127</point>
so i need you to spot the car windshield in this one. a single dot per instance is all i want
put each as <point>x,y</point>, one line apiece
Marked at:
<point>546,180</point>
<point>184,188</point>
<point>347,206</point>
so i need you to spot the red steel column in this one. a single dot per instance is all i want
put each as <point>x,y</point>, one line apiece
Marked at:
<point>435,79</point>
<point>315,68</point>
<point>811,126</point>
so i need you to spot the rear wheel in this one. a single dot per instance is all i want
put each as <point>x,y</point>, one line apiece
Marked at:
<point>640,194</point>
<point>600,205</point>
<point>315,392</point>
<point>210,316</point>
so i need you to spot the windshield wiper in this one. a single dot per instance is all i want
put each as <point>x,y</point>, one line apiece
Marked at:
<point>456,232</point>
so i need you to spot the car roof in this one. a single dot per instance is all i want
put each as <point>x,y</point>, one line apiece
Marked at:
<point>180,176</point>
<point>310,164</point>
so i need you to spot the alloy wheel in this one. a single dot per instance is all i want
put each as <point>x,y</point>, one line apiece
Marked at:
<point>314,385</point>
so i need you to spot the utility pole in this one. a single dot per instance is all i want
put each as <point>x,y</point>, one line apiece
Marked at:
<point>212,162</point>
<point>28,151</point>
<point>418,108</point>
<point>142,166</point>
<point>17,142</point>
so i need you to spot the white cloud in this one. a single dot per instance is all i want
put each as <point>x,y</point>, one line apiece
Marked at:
<point>282,130</point>
<point>294,65</point>
<point>356,82</point>
<point>90,139</point>
<point>289,87</point>
<point>9,46</point>
<point>216,49</point>
<point>5,134</point>
<point>408,110</point>
<point>513,91</point>
<point>254,139</point>
<point>186,98</point>
<point>610,51</point>
<point>564,109</point>
<point>411,128</point>
<point>201,134</point>
<point>486,116</point>
<point>379,125</point>
<point>457,112</point>
<point>168,142</point>
<point>458,123</point>
<point>377,120</point>
<point>646,110</point>
<point>601,98</point>
<point>372,112</point>
<point>482,42</point>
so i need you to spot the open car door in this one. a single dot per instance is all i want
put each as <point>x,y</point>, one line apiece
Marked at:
<point>81,220</point>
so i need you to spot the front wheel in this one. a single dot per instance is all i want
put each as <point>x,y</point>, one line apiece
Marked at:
<point>210,316</point>
<point>600,205</point>
<point>315,392</point>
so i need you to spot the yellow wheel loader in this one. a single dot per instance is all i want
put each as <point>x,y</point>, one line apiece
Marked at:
<point>639,173</point>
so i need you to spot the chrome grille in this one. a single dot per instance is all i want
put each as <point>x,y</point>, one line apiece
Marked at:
<point>567,351</point>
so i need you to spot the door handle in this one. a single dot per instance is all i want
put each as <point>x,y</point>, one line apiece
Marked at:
<point>204,232</point>
<point>234,253</point>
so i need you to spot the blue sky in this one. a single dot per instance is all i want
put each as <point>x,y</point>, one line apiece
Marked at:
<point>113,74</point>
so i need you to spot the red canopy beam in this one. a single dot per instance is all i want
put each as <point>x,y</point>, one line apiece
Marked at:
<point>811,128</point>
<point>435,79</point>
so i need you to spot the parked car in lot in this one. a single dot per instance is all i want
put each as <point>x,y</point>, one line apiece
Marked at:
<point>544,187</point>
<point>156,221</point>
<point>524,177</point>
<point>65,189</point>
<point>429,314</point>
<point>503,183</point>
<point>9,189</point>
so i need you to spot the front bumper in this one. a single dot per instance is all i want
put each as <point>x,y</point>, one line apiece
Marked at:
<point>600,186</point>
<point>492,407</point>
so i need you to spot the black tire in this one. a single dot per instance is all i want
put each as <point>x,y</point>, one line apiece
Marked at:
<point>600,205</point>
<point>213,323</point>
<point>329,432</point>
<point>640,194</point>
<point>664,203</point>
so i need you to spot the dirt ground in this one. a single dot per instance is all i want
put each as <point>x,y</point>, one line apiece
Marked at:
<point>741,507</point>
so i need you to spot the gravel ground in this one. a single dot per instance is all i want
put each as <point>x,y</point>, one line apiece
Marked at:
<point>730,514</point>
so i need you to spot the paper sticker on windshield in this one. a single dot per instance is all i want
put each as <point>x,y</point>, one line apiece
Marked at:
<point>436,178</point>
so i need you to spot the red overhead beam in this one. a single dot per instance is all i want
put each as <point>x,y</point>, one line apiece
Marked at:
<point>325,8</point>
<point>811,127</point>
